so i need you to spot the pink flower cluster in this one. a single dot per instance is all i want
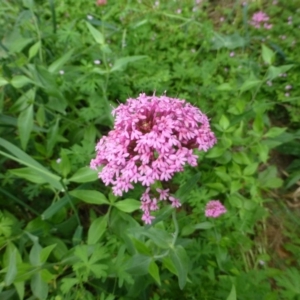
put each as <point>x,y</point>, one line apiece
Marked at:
<point>260,18</point>
<point>214,209</point>
<point>153,138</point>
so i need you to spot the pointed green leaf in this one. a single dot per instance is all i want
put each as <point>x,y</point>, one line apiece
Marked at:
<point>84,174</point>
<point>123,61</point>
<point>232,295</point>
<point>97,35</point>
<point>89,196</point>
<point>25,125</point>
<point>59,63</point>
<point>128,205</point>
<point>96,230</point>
<point>268,55</point>
<point>19,81</point>
<point>154,271</point>
<point>29,174</point>
<point>180,260</point>
<point>34,49</point>
<point>39,287</point>
<point>45,252</point>
<point>12,268</point>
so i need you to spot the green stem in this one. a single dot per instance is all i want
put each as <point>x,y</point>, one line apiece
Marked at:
<point>175,235</point>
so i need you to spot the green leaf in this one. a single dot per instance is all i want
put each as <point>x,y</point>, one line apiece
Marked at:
<point>67,284</point>
<point>85,174</point>
<point>89,196</point>
<point>28,174</point>
<point>34,49</point>
<point>59,63</point>
<point>25,125</point>
<point>12,268</point>
<point>224,122</point>
<point>96,230</point>
<point>154,271</point>
<point>250,169</point>
<point>180,260</point>
<point>275,131</point>
<point>45,252</point>
<point>138,265</point>
<point>20,288</point>
<point>23,158</point>
<point>97,35</point>
<point>77,237</point>
<point>34,255</point>
<point>52,136</point>
<point>128,205</point>
<point>232,295</point>
<point>54,208</point>
<point>274,72</point>
<point>3,81</point>
<point>268,55</point>
<point>225,87</point>
<point>19,81</point>
<point>204,225</point>
<point>123,61</point>
<point>39,288</point>
<point>250,84</point>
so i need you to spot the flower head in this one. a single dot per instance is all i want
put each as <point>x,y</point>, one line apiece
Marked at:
<point>153,138</point>
<point>214,209</point>
<point>260,18</point>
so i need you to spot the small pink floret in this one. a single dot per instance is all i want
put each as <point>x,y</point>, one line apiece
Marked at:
<point>214,209</point>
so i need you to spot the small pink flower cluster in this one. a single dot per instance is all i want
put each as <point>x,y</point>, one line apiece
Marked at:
<point>260,18</point>
<point>153,138</point>
<point>214,209</point>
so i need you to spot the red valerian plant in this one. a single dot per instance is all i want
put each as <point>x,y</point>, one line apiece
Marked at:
<point>153,138</point>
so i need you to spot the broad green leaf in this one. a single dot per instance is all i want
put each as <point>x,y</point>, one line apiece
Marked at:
<point>154,271</point>
<point>12,268</point>
<point>123,61</point>
<point>89,196</point>
<point>97,35</point>
<point>34,49</point>
<point>25,125</point>
<point>180,260</point>
<point>268,55</point>
<point>28,174</point>
<point>138,265</point>
<point>19,81</point>
<point>59,63</point>
<point>241,158</point>
<point>215,152</point>
<point>250,169</point>
<point>225,87</point>
<point>34,255</point>
<point>85,174</point>
<point>232,295</point>
<point>60,249</point>
<point>23,101</point>
<point>45,252</point>
<point>275,131</point>
<point>224,122</point>
<point>96,230</point>
<point>77,237</point>
<point>3,81</point>
<point>20,288</point>
<point>128,205</point>
<point>250,84</point>
<point>274,72</point>
<point>23,158</point>
<point>39,287</point>
<point>54,208</point>
<point>204,225</point>
<point>227,41</point>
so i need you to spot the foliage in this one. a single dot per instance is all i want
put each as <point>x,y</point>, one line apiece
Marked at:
<point>64,66</point>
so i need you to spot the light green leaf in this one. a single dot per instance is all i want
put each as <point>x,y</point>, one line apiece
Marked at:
<point>12,268</point>
<point>204,225</point>
<point>34,255</point>
<point>23,158</point>
<point>268,55</point>
<point>232,295</point>
<point>138,265</point>
<point>250,84</point>
<point>97,35</point>
<point>28,174</point>
<point>180,260</point>
<point>34,49</point>
<point>274,72</point>
<point>250,169</point>
<point>154,271</point>
<point>20,288</point>
<point>19,81</point>
<point>59,63</point>
<point>3,81</point>
<point>275,131</point>
<point>25,125</point>
<point>84,174</point>
<point>45,252</point>
<point>123,61</point>
<point>128,205</point>
<point>224,87</point>
<point>224,122</point>
<point>96,230</point>
<point>89,196</point>
<point>67,284</point>
<point>39,288</point>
